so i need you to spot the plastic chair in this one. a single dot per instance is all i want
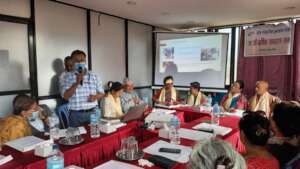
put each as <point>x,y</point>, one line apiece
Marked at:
<point>62,112</point>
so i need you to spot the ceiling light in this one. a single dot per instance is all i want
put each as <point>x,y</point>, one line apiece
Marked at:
<point>131,3</point>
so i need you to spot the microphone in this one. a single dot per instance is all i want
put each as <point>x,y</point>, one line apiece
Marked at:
<point>80,71</point>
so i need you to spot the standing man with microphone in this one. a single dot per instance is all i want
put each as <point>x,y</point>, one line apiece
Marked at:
<point>83,89</point>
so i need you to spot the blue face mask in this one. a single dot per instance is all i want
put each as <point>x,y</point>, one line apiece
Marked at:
<point>80,67</point>
<point>34,115</point>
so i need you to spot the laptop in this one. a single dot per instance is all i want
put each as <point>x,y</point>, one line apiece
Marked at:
<point>134,113</point>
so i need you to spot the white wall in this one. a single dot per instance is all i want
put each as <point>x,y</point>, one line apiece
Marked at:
<point>140,53</point>
<point>14,62</point>
<point>15,7</point>
<point>108,47</point>
<point>60,29</point>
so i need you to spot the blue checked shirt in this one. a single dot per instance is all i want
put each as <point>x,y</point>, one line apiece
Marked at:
<point>91,85</point>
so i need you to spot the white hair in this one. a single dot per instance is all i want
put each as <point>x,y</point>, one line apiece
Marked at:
<point>127,81</point>
<point>214,152</point>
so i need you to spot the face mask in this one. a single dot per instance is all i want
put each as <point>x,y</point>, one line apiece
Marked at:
<point>80,67</point>
<point>34,116</point>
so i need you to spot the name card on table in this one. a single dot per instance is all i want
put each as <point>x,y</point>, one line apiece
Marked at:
<point>194,135</point>
<point>218,130</point>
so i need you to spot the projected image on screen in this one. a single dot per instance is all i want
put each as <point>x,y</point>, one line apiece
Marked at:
<point>191,57</point>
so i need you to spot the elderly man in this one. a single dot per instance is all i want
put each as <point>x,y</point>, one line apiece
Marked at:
<point>262,100</point>
<point>129,97</point>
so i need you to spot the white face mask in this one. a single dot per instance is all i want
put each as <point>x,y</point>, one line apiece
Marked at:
<point>38,124</point>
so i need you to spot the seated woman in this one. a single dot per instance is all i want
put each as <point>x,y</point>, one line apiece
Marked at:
<point>234,99</point>
<point>196,97</point>
<point>18,125</point>
<point>112,105</point>
<point>168,94</point>
<point>285,146</point>
<point>254,131</point>
<point>215,154</point>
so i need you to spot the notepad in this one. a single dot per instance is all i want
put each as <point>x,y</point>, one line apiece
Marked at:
<point>112,164</point>
<point>5,159</point>
<point>182,157</point>
<point>194,135</point>
<point>28,143</point>
<point>218,130</point>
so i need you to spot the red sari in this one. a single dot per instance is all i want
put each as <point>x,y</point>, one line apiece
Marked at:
<point>262,163</point>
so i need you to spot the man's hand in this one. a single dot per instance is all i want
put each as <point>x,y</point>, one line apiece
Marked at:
<point>93,98</point>
<point>136,100</point>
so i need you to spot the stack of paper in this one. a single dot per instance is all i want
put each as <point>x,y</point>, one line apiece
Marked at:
<point>182,157</point>
<point>218,130</point>
<point>194,135</point>
<point>5,159</point>
<point>27,143</point>
<point>112,164</point>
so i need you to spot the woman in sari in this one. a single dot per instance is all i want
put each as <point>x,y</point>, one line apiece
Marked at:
<point>235,99</point>
<point>168,94</point>
<point>196,97</point>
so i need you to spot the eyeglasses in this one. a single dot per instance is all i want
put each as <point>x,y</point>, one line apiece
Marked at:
<point>169,83</point>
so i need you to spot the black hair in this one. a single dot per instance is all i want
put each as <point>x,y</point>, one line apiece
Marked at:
<point>22,103</point>
<point>241,83</point>
<point>116,86</point>
<point>67,58</point>
<point>168,78</point>
<point>255,127</point>
<point>77,52</point>
<point>287,118</point>
<point>195,85</point>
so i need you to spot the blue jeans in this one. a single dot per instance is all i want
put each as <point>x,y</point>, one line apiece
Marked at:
<point>81,118</point>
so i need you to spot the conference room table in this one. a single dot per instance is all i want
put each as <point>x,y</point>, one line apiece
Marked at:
<point>93,152</point>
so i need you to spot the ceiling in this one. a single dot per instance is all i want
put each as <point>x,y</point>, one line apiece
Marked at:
<point>182,14</point>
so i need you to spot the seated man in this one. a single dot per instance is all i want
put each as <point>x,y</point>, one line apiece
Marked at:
<point>168,94</point>
<point>234,99</point>
<point>196,97</point>
<point>129,97</point>
<point>262,100</point>
<point>112,104</point>
<point>18,125</point>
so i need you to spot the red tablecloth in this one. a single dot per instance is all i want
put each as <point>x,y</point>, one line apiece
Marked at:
<point>90,153</point>
<point>96,151</point>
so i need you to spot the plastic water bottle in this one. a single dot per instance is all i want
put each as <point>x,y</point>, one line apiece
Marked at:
<point>173,131</point>
<point>98,114</point>
<point>215,115</point>
<point>56,161</point>
<point>53,127</point>
<point>209,100</point>
<point>94,124</point>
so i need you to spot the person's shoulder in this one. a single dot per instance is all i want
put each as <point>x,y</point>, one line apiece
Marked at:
<point>13,121</point>
<point>93,74</point>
